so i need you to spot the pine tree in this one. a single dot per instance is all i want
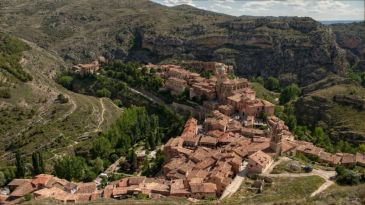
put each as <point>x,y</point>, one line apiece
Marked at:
<point>42,166</point>
<point>154,131</point>
<point>38,164</point>
<point>20,166</point>
<point>132,158</point>
<point>35,163</point>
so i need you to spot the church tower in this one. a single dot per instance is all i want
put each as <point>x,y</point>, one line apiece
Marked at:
<point>221,75</point>
<point>276,140</point>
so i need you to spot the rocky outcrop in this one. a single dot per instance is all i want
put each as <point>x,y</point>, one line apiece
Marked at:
<point>339,109</point>
<point>351,37</point>
<point>350,101</point>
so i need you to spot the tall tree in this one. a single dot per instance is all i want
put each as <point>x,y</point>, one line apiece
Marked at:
<point>20,166</point>
<point>289,93</point>
<point>70,168</point>
<point>101,147</point>
<point>35,163</point>
<point>38,164</point>
<point>132,159</point>
<point>42,165</point>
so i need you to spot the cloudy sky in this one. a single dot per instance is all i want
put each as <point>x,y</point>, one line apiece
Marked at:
<point>317,9</point>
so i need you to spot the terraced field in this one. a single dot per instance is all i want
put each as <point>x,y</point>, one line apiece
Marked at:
<point>34,119</point>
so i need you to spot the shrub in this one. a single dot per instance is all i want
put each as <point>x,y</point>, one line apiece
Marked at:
<point>272,84</point>
<point>103,93</point>
<point>289,93</point>
<point>347,177</point>
<point>66,81</point>
<point>118,102</point>
<point>62,99</point>
<point>142,196</point>
<point>28,197</point>
<point>5,93</point>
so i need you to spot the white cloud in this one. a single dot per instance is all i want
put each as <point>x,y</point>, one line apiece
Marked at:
<point>220,6</point>
<point>178,2</point>
<point>317,9</point>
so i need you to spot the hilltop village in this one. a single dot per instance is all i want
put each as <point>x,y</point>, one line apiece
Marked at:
<point>206,157</point>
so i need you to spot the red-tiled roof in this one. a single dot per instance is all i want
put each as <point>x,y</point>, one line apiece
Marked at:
<point>18,182</point>
<point>261,158</point>
<point>42,180</point>
<point>205,188</point>
<point>23,189</point>
<point>86,188</point>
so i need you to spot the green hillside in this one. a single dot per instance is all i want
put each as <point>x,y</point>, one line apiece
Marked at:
<point>33,118</point>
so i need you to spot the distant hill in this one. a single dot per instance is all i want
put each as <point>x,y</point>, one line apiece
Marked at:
<point>340,22</point>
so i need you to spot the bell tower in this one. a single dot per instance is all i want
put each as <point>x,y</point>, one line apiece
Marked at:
<point>221,75</point>
<point>276,140</point>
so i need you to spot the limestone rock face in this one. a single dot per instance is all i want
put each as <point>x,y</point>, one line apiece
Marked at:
<point>256,46</point>
<point>351,37</point>
<point>141,30</point>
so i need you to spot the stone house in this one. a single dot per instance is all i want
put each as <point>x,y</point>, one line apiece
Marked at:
<point>259,162</point>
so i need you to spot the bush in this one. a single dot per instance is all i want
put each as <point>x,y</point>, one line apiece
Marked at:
<point>118,102</point>
<point>258,79</point>
<point>347,177</point>
<point>28,197</point>
<point>5,93</point>
<point>289,93</point>
<point>103,93</point>
<point>272,84</point>
<point>2,179</point>
<point>62,99</point>
<point>141,196</point>
<point>66,81</point>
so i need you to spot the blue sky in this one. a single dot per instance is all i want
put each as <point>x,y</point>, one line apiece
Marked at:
<point>317,9</point>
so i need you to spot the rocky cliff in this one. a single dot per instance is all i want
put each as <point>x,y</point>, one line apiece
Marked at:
<point>351,37</point>
<point>293,49</point>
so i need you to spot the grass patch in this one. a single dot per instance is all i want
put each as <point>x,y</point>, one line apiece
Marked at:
<point>282,190</point>
<point>263,93</point>
<point>286,167</point>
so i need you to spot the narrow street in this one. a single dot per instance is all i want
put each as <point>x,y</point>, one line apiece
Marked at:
<point>236,183</point>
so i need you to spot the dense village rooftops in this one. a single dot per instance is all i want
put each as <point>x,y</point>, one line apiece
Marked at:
<point>215,133</point>
<point>197,174</point>
<point>199,154</point>
<point>208,141</point>
<point>207,162</point>
<point>250,132</point>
